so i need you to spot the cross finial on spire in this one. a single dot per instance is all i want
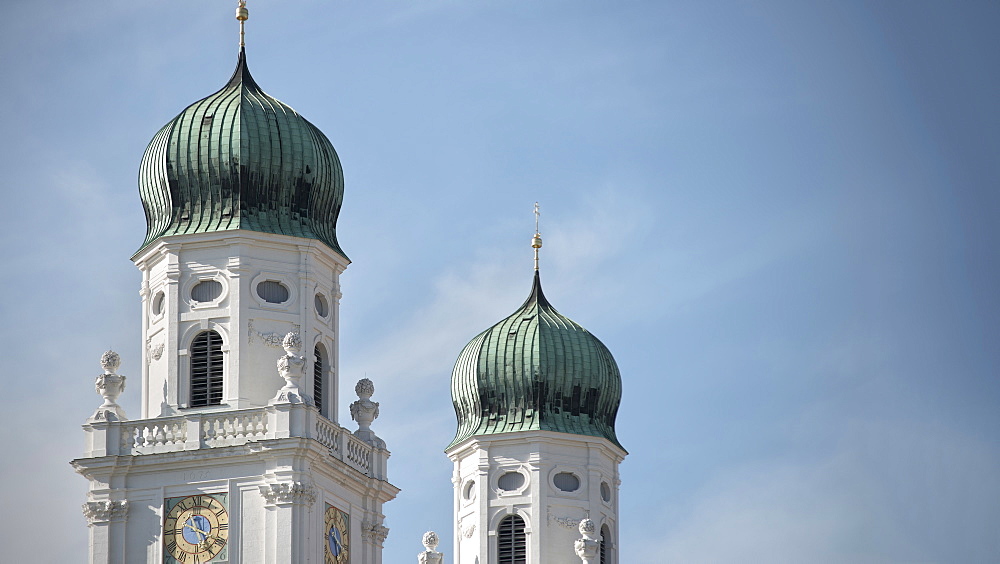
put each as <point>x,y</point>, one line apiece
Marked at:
<point>242,15</point>
<point>536,241</point>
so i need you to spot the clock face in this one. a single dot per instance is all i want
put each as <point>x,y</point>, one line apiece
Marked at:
<point>195,529</point>
<point>336,540</point>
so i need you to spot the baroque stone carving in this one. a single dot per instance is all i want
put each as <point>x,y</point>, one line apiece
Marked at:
<point>288,492</point>
<point>154,352</point>
<point>291,367</point>
<point>467,533</point>
<point>110,385</point>
<point>269,339</point>
<point>365,411</point>
<point>588,545</point>
<point>375,532</point>
<point>430,555</point>
<point>565,522</point>
<point>103,511</point>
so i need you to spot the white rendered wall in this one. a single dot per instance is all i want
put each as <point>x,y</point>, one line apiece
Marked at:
<point>251,328</point>
<point>551,515</point>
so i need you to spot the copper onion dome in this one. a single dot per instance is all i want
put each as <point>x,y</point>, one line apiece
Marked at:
<point>240,159</point>
<point>536,370</point>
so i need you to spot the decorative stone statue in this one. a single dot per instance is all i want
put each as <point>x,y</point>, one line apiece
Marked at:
<point>365,411</point>
<point>430,555</point>
<point>291,367</point>
<point>588,547</point>
<point>110,385</point>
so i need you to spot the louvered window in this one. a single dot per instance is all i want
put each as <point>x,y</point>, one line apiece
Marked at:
<point>319,368</point>
<point>512,543</point>
<point>206,369</point>
<point>511,481</point>
<point>605,539</point>
<point>272,292</point>
<point>566,481</point>
<point>206,291</point>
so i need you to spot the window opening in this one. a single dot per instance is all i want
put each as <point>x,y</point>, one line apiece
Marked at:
<point>512,543</point>
<point>206,369</point>
<point>319,367</point>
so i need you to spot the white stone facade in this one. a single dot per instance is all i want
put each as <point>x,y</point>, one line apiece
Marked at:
<point>546,460</point>
<point>266,450</point>
<point>251,328</point>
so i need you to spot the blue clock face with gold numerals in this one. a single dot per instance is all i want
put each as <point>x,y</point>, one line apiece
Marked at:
<point>336,549</point>
<point>195,529</point>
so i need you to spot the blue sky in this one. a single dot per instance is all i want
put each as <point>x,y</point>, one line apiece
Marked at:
<point>779,216</point>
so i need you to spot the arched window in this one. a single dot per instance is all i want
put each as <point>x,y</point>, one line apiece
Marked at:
<point>206,369</point>
<point>512,544</point>
<point>605,539</point>
<point>319,378</point>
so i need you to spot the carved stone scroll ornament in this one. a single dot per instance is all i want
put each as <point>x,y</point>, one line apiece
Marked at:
<point>110,385</point>
<point>291,367</point>
<point>375,532</point>
<point>104,511</point>
<point>365,411</point>
<point>467,532</point>
<point>588,546</point>
<point>269,339</point>
<point>565,522</point>
<point>430,555</point>
<point>288,492</point>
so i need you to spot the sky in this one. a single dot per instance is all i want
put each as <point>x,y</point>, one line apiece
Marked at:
<point>778,216</point>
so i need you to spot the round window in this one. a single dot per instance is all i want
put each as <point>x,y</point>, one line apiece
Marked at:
<point>605,491</point>
<point>511,481</point>
<point>566,481</point>
<point>469,492</point>
<point>272,292</point>
<point>322,307</point>
<point>158,303</point>
<point>206,291</point>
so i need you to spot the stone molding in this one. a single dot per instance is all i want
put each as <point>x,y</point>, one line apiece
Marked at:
<point>104,511</point>
<point>374,532</point>
<point>288,492</point>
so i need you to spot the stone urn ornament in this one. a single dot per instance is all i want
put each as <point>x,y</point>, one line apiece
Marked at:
<point>110,385</point>
<point>588,546</point>
<point>365,411</point>
<point>430,555</point>
<point>291,367</point>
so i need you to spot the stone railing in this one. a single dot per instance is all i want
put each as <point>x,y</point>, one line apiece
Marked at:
<point>195,431</point>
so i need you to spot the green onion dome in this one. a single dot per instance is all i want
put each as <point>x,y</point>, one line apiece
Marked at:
<point>536,370</point>
<point>240,159</point>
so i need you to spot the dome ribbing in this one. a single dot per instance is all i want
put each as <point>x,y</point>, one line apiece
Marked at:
<point>536,370</point>
<point>240,159</point>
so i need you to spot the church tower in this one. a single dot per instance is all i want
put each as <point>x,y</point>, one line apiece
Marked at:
<point>237,455</point>
<point>535,455</point>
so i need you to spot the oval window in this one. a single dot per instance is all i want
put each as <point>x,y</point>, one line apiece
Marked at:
<point>158,303</point>
<point>322,307</point>
<point>469,491</point>
<point>206,291</point>
<point>566,481</point>
<point>511,481</point>
<point>272,292</point>
<point>605,491</point>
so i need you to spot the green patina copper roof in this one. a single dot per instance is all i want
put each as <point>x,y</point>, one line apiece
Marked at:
<point>240,159</point>
<point>536,370</point>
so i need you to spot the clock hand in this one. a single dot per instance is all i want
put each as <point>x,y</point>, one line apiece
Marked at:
<point>195,529</point>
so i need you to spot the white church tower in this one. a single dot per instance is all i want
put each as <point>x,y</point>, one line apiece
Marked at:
<point>535,455</point>
<point>237,455</point>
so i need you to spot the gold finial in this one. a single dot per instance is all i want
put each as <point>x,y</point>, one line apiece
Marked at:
<point>536,241</point>
<point>242,15</point>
